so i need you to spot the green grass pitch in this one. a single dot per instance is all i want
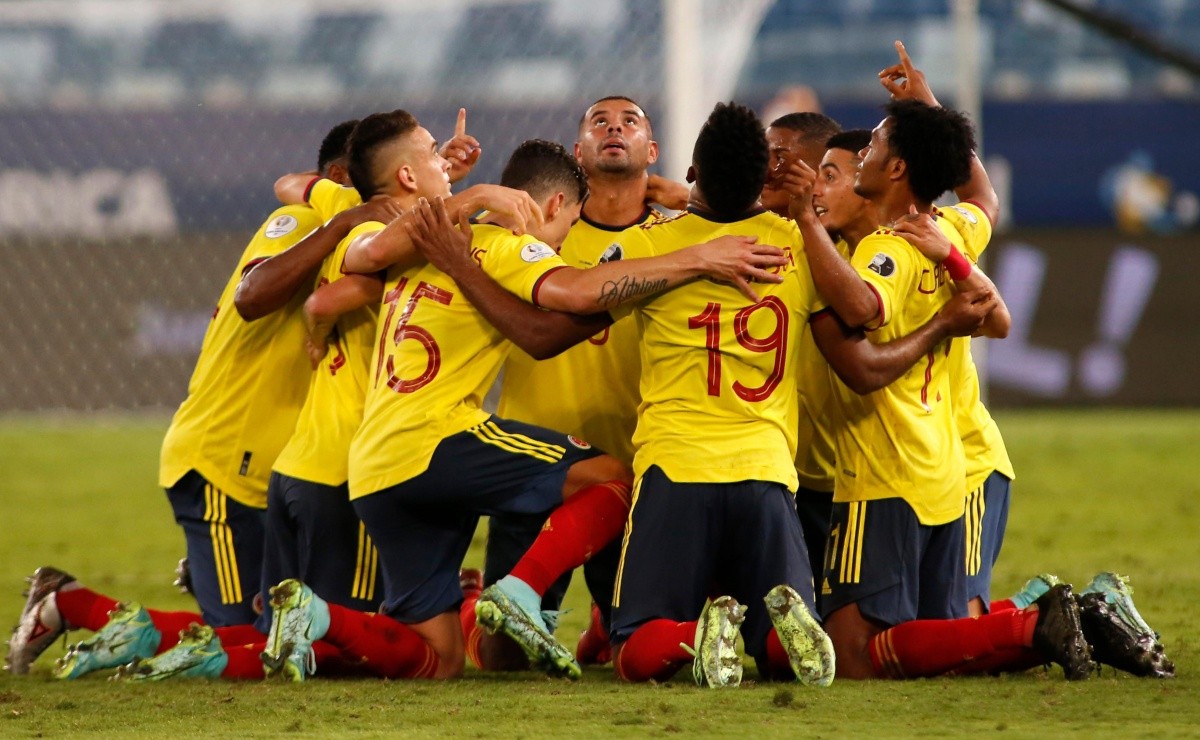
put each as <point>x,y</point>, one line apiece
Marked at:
<point>1108,490</point>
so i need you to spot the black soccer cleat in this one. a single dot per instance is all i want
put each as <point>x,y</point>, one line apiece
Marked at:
<point>1116,643</point>
<point>1059,635</point>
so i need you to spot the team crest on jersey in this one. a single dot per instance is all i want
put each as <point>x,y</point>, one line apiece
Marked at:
<point>280,226</point>
<point>966,214</point>
<point>883,265</point>
<point>578,442</point>
<point>536,252</point>
<point>614,253</point>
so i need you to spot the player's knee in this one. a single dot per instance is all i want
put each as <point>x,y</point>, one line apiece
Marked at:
<point>500,653</point>
<point>600,469</point>
<point>851,635</point>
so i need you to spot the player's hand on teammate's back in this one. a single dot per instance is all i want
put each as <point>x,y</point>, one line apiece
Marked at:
<point>740,260</point>
<point>463,150</point>
<point>905,82</point>
<point>920,230</point>
<point>667,193</point>
<point>965,313</point>
<point>383,210</point>
<point>316,351</point>
<point>446,246</point>
<point>517,208</point>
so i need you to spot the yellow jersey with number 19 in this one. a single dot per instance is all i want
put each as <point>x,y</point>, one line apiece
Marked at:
<point>435,357</point>
<point>901,440</point>
<point>249,383</point>
<point>719,401</point>
<point>591,390</point>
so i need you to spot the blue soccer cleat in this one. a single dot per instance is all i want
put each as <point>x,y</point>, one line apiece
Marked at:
<point>129,634</point>
<point>512,607</point>
<point>197,655</point>
<point>300,618</point>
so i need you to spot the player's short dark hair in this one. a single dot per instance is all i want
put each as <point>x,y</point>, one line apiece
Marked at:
<point>854,140</point>
<point>542,168</point>
<point>816,127</point>
<point>731,159</point>
<point>645,115</point>
<point>333,146</point>
<point>369,136</point>
<point>935,143</point>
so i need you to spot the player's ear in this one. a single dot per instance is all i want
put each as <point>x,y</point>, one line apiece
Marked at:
<point>691,174</point>
<point>553,205</point>
<point>339,174</point>
<point>406,179</point>
<point>896,168</point>
<point>653,152</point>
<point>578,152</point>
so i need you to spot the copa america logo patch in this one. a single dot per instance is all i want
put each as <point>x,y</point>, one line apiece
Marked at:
<point>882,264</point>
<point>536,252</point>
<point>613,254</point>
<point>966,214</point>
<point>280,226</point>
<point>578,442</point>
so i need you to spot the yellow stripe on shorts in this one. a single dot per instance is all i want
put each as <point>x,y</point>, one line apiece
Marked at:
<point>489,433</point>
<point>221,535</point>
<point>976,506</point>
<point>637,488</point>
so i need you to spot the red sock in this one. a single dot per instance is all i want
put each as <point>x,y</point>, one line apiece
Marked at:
<point>239,634</point>
<point>653,651</point>
<point>777,658</point>
<point>244,661</point>
<point>1006,660</point>
<point>594,647</point>
<point>170,624</point>
<point>587,521</point>
<point>472,633</point>
<point>1003,605</point>
<point>385,647</point>
<point>932,647</point>
<point>84,608</point>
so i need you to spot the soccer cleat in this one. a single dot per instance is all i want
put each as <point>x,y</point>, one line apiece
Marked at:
<point>594,647</point>
<point>1033,589</point>
<point>1058,635</point>
<point>300,618</point>
<point>40,623</point>
<point>500,608</point>
<point>129,634</point>
<point>1116,631</point>
<point>198,654</point>
<point>183,577</point>
<point>809,649</point>
<point>717,658</point>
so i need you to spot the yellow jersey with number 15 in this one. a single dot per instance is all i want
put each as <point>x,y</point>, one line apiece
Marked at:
<point>435,357</point>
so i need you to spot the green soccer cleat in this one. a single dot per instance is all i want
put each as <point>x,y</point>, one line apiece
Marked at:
<point>1058,635</point>
<point>809,649</point>
<point>1116,631</point>
<point>129,634</point>
<point>717,657</point>
<point>300,618</point>
<point>511,606</point>
<point>1034,589</point>
<point>40,622</point>
<point>197,655</point>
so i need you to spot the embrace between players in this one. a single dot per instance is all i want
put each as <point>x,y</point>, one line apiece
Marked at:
<point>780,379</point>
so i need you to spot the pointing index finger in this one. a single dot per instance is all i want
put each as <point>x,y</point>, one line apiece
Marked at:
<point>460,126</point>
<point>905,61</point>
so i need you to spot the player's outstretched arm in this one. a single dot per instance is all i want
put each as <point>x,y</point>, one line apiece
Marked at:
<point>865,367</point>
<point>291,188</point>
<point>836,279</point>
<point>905,82</point>
<point>329,302</point>
<point>273,282</point>
<point>392,246</point>
<point>920,230</point>
<point>541,334</point>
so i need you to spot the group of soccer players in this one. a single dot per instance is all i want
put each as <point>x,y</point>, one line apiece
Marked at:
<point>794,448</point>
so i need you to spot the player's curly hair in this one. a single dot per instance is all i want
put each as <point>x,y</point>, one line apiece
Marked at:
<point>731,158</point>
<point>542,168</point>
<point>333,146</point>
<point>935,143</point>
<point>853,140</point>
<point>369,137</point>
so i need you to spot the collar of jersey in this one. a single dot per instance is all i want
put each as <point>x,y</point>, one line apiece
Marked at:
<point>710,216</point>
<point>647,212</point>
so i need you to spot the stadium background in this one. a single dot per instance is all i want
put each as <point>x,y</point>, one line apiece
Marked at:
<point>139,140</point>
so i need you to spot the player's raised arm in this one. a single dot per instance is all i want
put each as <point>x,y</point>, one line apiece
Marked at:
<point>462,150</point>
<point>667,193</point>
<point>292,188</point>
<point>541,334</point>
<point>392,246</point>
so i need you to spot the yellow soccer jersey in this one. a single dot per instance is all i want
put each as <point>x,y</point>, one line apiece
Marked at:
<point>329,199</point>
<point>718,377</point>
<point>816,458</point>
<point>434,359</point>
<point>901,441</point>
<point>249,382</point>
<point>595,383</point>
<point>982,443</point>
<point>320,447</point>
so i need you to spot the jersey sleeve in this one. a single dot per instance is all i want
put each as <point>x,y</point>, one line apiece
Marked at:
<point>972,224</point>
<point>286,226</point>
<point>329,199</point>
<point>520,264</point>
<point>887,263</point>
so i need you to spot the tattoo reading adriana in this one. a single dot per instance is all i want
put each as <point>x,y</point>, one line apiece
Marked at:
<point>615,292</point>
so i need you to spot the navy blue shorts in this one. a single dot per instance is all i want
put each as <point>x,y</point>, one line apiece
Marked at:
<point>314,535</point>
<point>896,569</point>
<point>814,509</point>
<point>224,549</point>
<point>686,542</point>
<point>424,526</point>
<point>986,520</point>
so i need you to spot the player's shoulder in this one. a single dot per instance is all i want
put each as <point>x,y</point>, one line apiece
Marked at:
<point>289,219</point>
<point>884,252</point>
<point>498,243</point>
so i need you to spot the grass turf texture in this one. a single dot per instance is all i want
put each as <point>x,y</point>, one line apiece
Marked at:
<point>1095,491</point>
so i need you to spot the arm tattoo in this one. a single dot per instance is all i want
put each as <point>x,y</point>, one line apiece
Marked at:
<point>618,291</point>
